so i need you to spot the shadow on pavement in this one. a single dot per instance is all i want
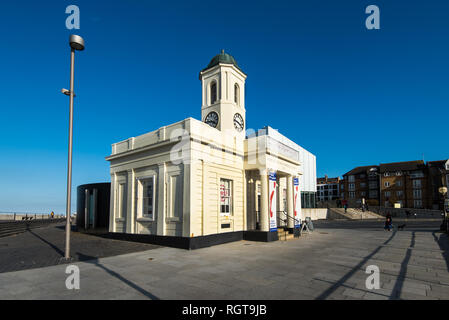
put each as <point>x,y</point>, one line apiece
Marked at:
<point>397,289</point>
<point>443,242</point>
<point>59,251</point>
<point>94,261</point>
<point>348,275</point>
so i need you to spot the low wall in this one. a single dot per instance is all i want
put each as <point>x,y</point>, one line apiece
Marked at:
<point>315,213</point>
<point>401,212</point>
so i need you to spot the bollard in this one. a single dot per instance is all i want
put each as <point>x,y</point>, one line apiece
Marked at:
<point>14,216</point>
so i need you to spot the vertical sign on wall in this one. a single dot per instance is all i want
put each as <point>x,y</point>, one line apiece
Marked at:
<point>272,201</point>
<point>297,202</point>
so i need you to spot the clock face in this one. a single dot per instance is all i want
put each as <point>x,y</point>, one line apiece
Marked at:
<point>238,122</point>
<point>212,119</point>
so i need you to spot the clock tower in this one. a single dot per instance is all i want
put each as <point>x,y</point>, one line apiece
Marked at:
<point>223,95</point>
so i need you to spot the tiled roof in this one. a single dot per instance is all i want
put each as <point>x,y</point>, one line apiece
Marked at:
<point>358,170</point>
<point>402,166</point>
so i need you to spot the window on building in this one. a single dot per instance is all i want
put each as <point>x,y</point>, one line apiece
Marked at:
<point>417,183</point>
<point>399,183</point>
<point>373,185</point>
<point>225,197</point>
<point>417,174</point>
<point>417,203</point>
<point>386,174</point>
<point>236,94</point>
<point>387,194</point>
<point>351,186</point>
<point>373,194</point>
<point>362,185</point>
<point>399,194</point>
<point>351,178</point>
<point>352,195</point>
<point>175,186</point>
<point>146,197</point>
<point>398,173</point>
<point>362,176</point>
<point>363,193</point>
<point>417,194</point>
<point>213,92</point>
<point>386,184</point>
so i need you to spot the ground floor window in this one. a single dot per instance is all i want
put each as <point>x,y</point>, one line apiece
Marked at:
<point>146,197</point>
<point>225,197</point>
<point>308,200</point>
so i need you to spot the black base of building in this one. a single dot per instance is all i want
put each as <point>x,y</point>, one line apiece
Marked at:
<point>260,236</point>
<point>195,242</point>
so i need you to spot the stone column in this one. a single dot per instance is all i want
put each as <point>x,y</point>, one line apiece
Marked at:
<point>264,221</point>
<point>130,202</point>
<point>290,209</point>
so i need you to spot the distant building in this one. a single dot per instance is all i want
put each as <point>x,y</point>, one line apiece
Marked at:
<point>327,189</point>
<point>405,183</point>
<point>361,185</point>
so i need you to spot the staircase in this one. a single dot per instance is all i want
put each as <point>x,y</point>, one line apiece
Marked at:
<point>353,214</point>
<point>8,228</point>
<point>283,235</point>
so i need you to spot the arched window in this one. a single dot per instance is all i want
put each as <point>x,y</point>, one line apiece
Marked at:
<point>213,92</point>
<point>236,94</point>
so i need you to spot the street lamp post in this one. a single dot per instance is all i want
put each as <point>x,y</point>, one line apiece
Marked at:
<point>76,43</point>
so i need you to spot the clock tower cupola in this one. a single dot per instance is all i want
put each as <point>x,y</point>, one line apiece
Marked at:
<point>223,95</point>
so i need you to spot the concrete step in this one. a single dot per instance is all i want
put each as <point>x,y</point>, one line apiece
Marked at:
<point>10,228</point>
<point>286,237</point>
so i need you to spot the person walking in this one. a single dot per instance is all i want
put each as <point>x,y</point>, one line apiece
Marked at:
<point>346,207</point>
<point>388,222</point>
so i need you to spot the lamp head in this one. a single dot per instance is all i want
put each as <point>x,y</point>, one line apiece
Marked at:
<point>76,42</point>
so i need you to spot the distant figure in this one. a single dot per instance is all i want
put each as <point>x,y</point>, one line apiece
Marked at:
<point>52,214</point>
<point>388,222</point>
<point>346,207</point>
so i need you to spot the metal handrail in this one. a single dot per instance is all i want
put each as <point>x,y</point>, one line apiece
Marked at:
<point>287,217</point>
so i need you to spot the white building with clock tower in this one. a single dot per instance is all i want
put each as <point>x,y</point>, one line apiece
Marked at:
<point>197,183</point>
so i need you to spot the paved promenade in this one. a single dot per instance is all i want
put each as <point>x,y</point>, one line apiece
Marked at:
<point>328,264</point>
<point>45,246</point>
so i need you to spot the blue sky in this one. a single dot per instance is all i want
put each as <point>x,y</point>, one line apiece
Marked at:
<point>349,95</point>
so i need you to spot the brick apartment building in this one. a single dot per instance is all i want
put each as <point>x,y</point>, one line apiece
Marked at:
<point>409,184</point>
<point>327,188</point>
<point>361,184</point>
<point>405,183</point>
